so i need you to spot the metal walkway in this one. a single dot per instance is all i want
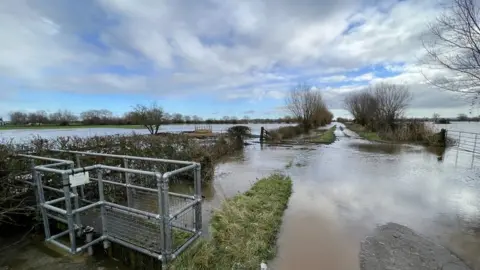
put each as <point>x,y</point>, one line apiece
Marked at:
<point>126,202</point>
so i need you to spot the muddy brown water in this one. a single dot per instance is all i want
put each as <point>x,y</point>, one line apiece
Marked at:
<point>344,190</point>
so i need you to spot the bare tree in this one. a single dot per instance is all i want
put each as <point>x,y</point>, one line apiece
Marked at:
<point>177,118</point>
<point>307,105</point>
<point>18,118</point>
<point>462,117</point>
<point>435,117</point>
<point>62,117</point>
<point>378,105</point>
<point>196,119</point>
<point>149,116</point>
<point>362,106</point>
<point>96,117</point>
<point>453,44</point>
<point>392,100</point>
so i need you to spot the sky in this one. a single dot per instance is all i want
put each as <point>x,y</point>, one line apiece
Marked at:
<point>213,57</point>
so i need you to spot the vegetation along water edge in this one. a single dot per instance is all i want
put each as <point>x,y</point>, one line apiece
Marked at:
<point>244,230</point>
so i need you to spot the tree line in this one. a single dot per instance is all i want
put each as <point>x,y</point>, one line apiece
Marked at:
<point>106,117</point>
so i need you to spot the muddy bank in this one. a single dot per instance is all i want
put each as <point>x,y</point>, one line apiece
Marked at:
<point>393,246</point>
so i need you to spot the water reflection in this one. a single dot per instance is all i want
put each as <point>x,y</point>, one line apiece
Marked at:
<point>349,188</point>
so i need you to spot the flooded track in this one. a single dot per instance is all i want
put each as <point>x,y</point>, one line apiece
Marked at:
<point>344,190</point>
<point>348,188</point>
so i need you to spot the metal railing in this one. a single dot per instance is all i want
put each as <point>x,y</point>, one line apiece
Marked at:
<point>130,206</point>
<point>203,128</point>
<point>466,144</point>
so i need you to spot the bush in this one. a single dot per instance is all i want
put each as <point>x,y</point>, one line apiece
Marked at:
<point>284,133</point>
<point>409,132</point>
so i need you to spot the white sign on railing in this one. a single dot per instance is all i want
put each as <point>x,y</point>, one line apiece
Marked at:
<point>79,179</point>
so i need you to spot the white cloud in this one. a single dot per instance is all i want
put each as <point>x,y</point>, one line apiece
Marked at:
<point>364,77</point>
<point>231,49</point>
<point>336,78</point>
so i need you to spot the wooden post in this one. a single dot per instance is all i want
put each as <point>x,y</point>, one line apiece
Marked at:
<point>443,137</point>
<point>261,134</point>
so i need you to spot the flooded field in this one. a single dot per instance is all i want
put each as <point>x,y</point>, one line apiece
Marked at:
<point>23,135</point>
<point>344,190</point>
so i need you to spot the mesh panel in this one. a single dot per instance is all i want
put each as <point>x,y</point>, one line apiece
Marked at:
<point>145,200</point>
<point>186,219</point>
<point>134,229</point>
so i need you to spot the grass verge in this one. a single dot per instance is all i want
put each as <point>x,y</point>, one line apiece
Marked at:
<point>244,231</point>
<point>363,132</point>
<point>326,137</point>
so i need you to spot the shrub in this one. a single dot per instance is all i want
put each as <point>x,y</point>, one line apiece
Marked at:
<point>284,133</point>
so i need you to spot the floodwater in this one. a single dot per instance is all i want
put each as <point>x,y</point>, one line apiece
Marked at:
<point>344,190</point>
<point>461,126</point>
<point>23,135</point>
<point>348,188</point>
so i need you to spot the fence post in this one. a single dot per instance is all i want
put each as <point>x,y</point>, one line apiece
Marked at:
<point>127,181</point>
<point>163,211</point>
<point>261,134</point>
<point>35,191</point>
<point>68,208</point>
<point>474,149</point>
<point>458,146</point>
<point>103,214</point>
<point>79,165</point>
<point>41,197</point>
<point>89,237</point>
<point>443,137</point>
<point>77,205</point>
<point>198,196</point>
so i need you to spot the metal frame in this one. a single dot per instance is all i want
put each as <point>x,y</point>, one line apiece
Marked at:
<point>465,143</point>
<point>70,214</point>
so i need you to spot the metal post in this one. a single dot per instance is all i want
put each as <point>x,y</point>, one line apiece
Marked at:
<point>76,203</point>
<point>89,237</point>
<point>198,195</point>
<point>35,191</point>
<point>101,198</point>
<point>79,165</point>
<point>68,208</point>
<point>37,177</point>
<point>458,146</point>
<point>163,211</point>
<point>474,149</point>
<point>127,181</point>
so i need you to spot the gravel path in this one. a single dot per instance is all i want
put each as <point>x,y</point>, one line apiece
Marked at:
<point>396,247</point>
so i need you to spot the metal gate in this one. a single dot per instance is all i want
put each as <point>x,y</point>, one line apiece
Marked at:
<point>467,147</point>
<point>122,199</point>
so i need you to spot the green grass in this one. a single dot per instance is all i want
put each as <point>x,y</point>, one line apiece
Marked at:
<point>244,231</point>
<point>326,137</point>
<point>363,132</point>
<point>11,127</point>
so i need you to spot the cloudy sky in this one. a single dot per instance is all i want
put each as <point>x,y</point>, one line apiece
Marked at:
<point>210,58</point>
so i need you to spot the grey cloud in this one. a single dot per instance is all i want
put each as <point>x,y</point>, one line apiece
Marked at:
<point>249,112</point>
<point>204,46</point>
